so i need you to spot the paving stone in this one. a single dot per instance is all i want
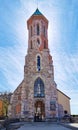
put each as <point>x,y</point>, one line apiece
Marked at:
<point>43,126</point>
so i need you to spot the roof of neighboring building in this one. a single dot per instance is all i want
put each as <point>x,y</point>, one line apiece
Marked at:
<point>37,12</point>
<point>63,93</point>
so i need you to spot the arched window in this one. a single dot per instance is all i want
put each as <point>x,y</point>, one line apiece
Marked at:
<point>39,88</point>
<point>31,30</point>
<point>45,45</point>
<point>38,29</point>
<point>38,63</point>
<point>38,41</point>
<point>44,31</point>
<point>31,45</point>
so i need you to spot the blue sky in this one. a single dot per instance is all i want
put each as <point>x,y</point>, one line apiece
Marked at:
<point>62,40</point>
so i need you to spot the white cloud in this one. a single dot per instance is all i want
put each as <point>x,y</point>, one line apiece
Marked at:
<point>11,65</point>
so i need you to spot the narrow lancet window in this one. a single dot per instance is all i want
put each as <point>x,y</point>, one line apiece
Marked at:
<point>38,41</point>
<point>31,31</point>
<point>44,31</point>
<point>38,29</point>
<point>31,45</point>
<point>45,45</point>
<point>38,63</point>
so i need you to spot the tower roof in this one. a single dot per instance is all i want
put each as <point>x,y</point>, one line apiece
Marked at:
<point>37,12</point>
<point>37,15</point>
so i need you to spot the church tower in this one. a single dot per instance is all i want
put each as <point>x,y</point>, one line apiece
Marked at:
<point>38,70</point>
<point>37,93</point>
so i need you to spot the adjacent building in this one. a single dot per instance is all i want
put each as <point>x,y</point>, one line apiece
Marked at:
<point>4,103</point>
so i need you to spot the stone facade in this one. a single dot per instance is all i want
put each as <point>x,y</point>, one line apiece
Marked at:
<point>37,93</point>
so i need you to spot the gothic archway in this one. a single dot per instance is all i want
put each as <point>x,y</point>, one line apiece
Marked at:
<point>39,88</point>
<point>39,110</point>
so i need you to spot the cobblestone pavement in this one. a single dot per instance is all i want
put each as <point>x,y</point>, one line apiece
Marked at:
<point>42,126</point>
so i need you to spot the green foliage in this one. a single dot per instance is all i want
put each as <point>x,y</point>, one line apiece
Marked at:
<point>5,107</point>
<point>5,97</point>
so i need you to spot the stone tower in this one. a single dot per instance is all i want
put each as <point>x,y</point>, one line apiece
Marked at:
<point>37,93</point>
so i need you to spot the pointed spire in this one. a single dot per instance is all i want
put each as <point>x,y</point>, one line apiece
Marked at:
<point>37,12</point>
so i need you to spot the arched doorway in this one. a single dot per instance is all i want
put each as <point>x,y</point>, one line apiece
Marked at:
<point>39,111</point>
